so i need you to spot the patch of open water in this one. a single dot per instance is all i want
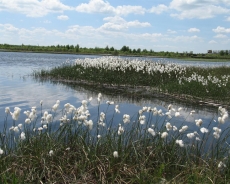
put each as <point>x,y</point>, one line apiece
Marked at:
<point>17,88</point>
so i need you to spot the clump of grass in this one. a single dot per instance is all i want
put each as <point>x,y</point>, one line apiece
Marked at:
<point>147,147</point>
<point>202,83</point>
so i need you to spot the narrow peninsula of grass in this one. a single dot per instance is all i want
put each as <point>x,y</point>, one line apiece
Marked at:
<point>193,83</point>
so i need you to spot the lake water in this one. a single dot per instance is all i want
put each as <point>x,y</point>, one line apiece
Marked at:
<point>18,88</point>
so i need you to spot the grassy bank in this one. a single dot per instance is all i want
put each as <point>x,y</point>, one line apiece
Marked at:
<point>149,146</point>
<point>124,51</point>
<point>193,83</point>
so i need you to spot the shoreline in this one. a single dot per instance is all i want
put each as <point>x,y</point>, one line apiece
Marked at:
<point>141,92</point>
<point>192,58</point>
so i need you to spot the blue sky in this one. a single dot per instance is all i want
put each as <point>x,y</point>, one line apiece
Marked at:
<point>160,25</point>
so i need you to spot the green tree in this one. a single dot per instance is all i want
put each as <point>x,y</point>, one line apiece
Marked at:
<point>77,48</point>
<point>125,49</point>
<point>107,48</point>
<point>138,50</point>
<point>221,53</point>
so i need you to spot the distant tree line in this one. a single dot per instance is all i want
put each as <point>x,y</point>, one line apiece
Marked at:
<point>125,50</point>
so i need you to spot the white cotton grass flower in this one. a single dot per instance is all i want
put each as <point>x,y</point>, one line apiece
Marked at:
<point>49,118</point>
<point>216,133</point>
<point>44,127</point>
<point>221,165</point>
<point>192,112</point>
<point>120,130</point>
<point>20,126</point>
<point>1,151</point>
<point>151,131</point>
<point>90,99</point>
<point>89,124</point>
<point>224,115</point>
<point>115,154</point>
<point>155,111</point>
<point>110,102</point>
<point>22,136</point>
<point>177,114</point>
<point>160,112</point>
<point>190,135</point>
<point>102,116</point>
<point>169,106</point>
<point>41,102</point>
<point>149,109</point>
<point>51,152</point>
<point>126,118</point>
<point>27,121</point>
<point>11,128</point>
<point>180,142</point>
<point>56,105</point>
<point>116,109</point>
<point>198,122</point>
<point>16,113</point>
<point>144,109</point>
<point>142,119</point>
<point>99,97</point>
<point>183,128</point>
<point>98,136</point>
<point>64,119</point>
<point>180,109</point>
<point>31,114</point>
<point>84,102</point>
<point>204,130</point>
<point>16,129</point>
<point>7,110</point>
<point>169,114</point>
<point>164,135</point>
<point>168,126</point>
<point>174,128</point>
<point>40,129</point>
<point>216,129</point>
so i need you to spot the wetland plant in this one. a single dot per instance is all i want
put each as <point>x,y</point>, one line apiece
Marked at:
<point>68,145</point>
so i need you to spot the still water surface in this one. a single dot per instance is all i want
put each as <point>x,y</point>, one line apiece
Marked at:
<point>18,88</point>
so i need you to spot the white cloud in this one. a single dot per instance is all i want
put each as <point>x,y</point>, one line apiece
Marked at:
<point>158,9</point>
<point>192,30</point>
<point>228,19</point>
<point>212,42</point>
<point>33,8</point>
<point>185,39</point>
<point>152,37</point>
<point>220,36</point>
<point>101,6</point>
<point>171,31</point>
<point>62,17</point>
<point>47,22</point>
<point>8,27</point>
<point>201,9</point>
<point>220,29</point>
<point>95,6</point>
<point>117,23</point>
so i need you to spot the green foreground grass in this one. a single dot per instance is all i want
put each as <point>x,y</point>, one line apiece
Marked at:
<point>143,148</point>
